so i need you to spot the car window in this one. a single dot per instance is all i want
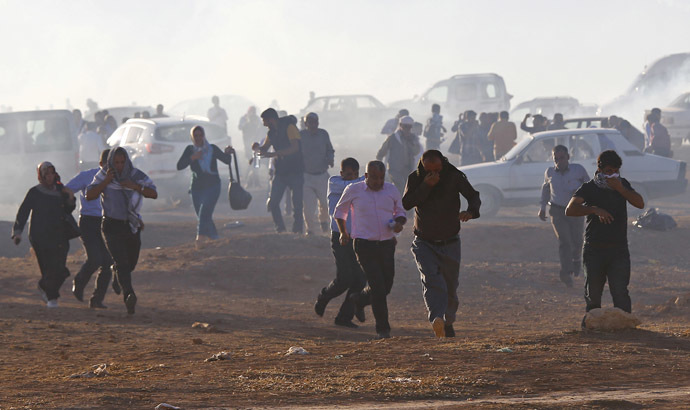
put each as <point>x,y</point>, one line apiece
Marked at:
<point>317,105</point>
<point>490,90</point>
<point>116,137</point>
<point>539,151</point>
<point>618,143</point>
<point>438,94</point>
<point>365,102</point>
<point>517,149</point>
<point>572,124</point>
<point>45,135</point>
<point>10,137</point>
<point>133,134</point>
<point>467,91</point>
<point>583,147</point>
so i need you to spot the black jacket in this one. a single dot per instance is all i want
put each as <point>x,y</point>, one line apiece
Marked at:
<point>437,208</point>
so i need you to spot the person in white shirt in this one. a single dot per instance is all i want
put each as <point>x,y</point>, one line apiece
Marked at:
<point>90,147</point>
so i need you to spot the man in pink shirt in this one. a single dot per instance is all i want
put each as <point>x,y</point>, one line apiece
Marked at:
<point>377,215</point>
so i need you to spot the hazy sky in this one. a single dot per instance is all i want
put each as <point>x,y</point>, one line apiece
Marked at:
<point>119,52</point>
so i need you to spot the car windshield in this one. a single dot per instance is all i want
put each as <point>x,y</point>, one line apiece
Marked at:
<point>181,132</point>
<point>681,102</point>
<point>517,149</point>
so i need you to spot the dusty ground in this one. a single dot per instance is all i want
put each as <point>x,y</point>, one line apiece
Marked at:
<point>257,289</point>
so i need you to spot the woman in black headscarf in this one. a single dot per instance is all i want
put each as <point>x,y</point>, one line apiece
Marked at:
<point>202,158</point>
<point>49,203</point>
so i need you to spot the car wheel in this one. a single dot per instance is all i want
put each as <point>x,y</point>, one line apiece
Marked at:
<point>491,200</point>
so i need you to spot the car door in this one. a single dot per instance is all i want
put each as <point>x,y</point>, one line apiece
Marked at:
<point>527,172</point>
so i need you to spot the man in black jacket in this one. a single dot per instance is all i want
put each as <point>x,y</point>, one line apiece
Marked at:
<point>284,137</point>
<point>434,190</point>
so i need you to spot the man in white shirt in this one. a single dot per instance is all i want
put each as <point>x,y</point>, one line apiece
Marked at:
<point>377,215</point>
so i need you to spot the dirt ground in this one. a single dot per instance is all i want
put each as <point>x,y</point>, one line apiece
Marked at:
<point>257,288</point>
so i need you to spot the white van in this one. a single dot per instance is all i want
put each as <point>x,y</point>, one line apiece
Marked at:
<point>478,92</point>
<point>29,138</point>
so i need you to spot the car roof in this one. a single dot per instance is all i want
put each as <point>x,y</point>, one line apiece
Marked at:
<point>585,119</point>
<point>478,75</point>
<point>571,131</point>
<point>169,120</point>
<point>345,95</point>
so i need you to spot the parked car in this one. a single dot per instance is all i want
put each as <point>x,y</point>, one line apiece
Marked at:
<point>479,92</point>
<point>516,179</point>
<point>548,106</point>
<point>124,112</point>
<point>349,117</point>
<point>676,118</point>
<point>29,138</point>
<point>658,83</point>
<point>156,144</point>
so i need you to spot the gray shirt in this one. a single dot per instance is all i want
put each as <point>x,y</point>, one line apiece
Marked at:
<point>559,186</point>
<point>317,151</point>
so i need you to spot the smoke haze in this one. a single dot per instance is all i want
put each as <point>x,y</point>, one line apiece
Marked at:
<point>148,52</point>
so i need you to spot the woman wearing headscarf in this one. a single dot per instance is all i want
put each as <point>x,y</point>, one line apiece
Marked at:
<point>202,158</point>
<point>49,203</point>
<point>122,189</point>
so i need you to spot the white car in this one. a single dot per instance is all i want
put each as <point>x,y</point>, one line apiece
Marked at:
<point>155,145</point>
<point>516,179</point>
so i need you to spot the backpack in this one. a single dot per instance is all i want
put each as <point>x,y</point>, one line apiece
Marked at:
<point>653,219</point>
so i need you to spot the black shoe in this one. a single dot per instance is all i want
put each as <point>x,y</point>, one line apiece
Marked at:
<point>319,307</point>
<point>450,332</point>
<point>565,278</point>
<point>77,291</point>
<point>116,286</point>
<point>346,323</point>
<point>383,335</point>
<point>359,314</point>
<point>42,292</point>
<point>93,304</point>
<point>131,302</point>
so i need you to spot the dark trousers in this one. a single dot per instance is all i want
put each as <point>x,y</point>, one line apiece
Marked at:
<point>124,247</point>
<point>97,256</point>
<point>377,261</point>
<point>348,277</point>
<point>52,261</point>
<point>204,197</point>
<point>602,264</point>
<point>295,182</point>
<point>439,267</point>
<point>569,231</point>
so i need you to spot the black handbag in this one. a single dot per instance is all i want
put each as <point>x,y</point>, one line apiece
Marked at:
<point>71,229</point>
<point>238,196</point>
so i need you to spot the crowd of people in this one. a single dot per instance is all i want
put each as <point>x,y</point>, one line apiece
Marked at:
<point>363,214</point>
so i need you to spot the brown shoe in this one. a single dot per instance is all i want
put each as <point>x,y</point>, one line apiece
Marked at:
<point>439,327</point>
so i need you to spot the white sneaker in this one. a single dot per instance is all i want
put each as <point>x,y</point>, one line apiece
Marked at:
<point>52,303</point>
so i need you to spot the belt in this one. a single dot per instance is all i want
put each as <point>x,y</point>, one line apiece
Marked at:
<point>113,220</point>
<point>90,217</point>
<point>442,242</point>
<point>369,240</point>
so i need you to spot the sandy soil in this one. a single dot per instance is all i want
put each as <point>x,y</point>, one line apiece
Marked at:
<point>257,288</point>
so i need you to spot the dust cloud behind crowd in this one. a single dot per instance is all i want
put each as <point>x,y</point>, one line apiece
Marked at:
<point>274,52</point>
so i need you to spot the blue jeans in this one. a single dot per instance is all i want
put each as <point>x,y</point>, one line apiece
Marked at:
<point>439,267</point>
<point>602,264</point>
<point>204,197</point>
<point>295,182</point>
